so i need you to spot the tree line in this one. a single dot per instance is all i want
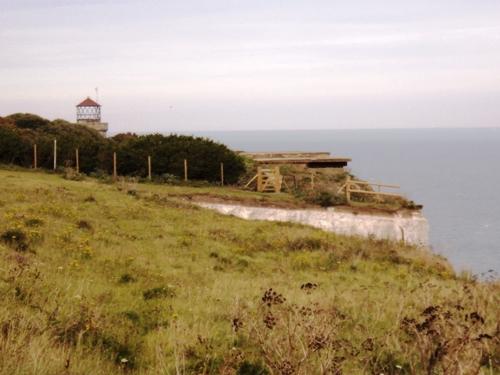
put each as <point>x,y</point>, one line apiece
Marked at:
<point>20,132</point>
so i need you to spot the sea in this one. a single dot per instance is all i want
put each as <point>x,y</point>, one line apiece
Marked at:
<point>453,173</point>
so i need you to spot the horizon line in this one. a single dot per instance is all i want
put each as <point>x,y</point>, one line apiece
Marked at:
<point>301,130</point>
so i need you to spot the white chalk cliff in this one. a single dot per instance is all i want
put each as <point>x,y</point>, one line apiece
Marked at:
<point>410,227</point>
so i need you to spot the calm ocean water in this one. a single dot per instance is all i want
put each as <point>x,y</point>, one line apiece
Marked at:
<point>454,173</point>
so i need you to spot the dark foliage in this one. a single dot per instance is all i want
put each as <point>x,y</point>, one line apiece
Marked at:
<point>14,148</point>
<point>28,121</point>
<point>84,225</point>
<point>326,199</point>
<point>168,153</point>
<point>127,278</point>
<point>16,239</point>
<point>34,222</point>
<point>248,368</point>
<point>159,292</point>
<point>19,132</point>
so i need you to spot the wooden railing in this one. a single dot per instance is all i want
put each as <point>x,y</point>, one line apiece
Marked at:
<point>356,187</point>
<point>269,180</point>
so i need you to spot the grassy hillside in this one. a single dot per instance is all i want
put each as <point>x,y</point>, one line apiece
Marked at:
<point>111,279</point>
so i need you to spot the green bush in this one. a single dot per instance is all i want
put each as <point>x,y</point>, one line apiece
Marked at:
<point>168,153</point>
<point>249,368</point>
<point>28,121</point>
<point>326,199</point>
<point>14,148</point>
<point>20,131</point>
<point>159,292</point>
<point>16,239</point>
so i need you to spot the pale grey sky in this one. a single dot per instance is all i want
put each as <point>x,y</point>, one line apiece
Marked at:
<point>260,64</point>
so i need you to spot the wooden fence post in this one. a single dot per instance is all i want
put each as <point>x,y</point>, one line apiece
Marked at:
<point>259,179</point>
<point>312,181</point>
<point>221,174</point>
<point>149,168</point>
<point>115,174</point>
<point>35,157</point>
<point>348,190</point>
<point>55,154</point>
<point>185,170</point>
<point>277,180</point>
<point>77,161</point>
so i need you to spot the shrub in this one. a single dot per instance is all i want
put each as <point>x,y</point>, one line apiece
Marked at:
<point>249,368</point>
<point>28,121</point>
<point>299,339</point>
<point>159,292</point>
<point>326,199</point>
<point>132,316</point>
<point>19,132</point>
<point>449,339</point>
<point>33,222</point>
<point>411,205</point>
<point>90,199</point>
<point>306,243</point>
<point>14,149</point>
<point>72,175</point>
<point>127,278</point>
<point>168,153</point>
<point>16,239</point>
<point>84,225</point>
<point>167,178</point>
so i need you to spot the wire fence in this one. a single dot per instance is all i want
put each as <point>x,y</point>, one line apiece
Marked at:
<point>148,162</point>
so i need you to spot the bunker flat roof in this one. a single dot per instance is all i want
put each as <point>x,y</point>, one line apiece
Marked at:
<point>301,160</point>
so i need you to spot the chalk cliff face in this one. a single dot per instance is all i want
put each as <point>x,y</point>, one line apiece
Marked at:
<point>409,227</point>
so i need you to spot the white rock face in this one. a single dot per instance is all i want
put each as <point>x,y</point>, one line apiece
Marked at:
<point>410,227</point>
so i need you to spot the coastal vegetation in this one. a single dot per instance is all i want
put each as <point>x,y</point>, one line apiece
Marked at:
<point>112,278</point>
<point>204,158</point>
<point>20,132</point>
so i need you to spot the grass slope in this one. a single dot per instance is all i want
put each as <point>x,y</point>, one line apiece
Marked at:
<point>107,279</point>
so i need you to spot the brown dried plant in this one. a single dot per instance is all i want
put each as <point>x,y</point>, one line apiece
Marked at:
<point>451,339</point>
<point>299,339</point>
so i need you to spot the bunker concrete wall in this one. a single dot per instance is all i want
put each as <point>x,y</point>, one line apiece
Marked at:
<point>409,227</point>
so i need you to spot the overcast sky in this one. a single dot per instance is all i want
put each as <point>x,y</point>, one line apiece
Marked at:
<point>190,65</point>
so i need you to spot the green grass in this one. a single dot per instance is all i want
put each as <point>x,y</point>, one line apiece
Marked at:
<point>111,278</point>
<point>224,193</point>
